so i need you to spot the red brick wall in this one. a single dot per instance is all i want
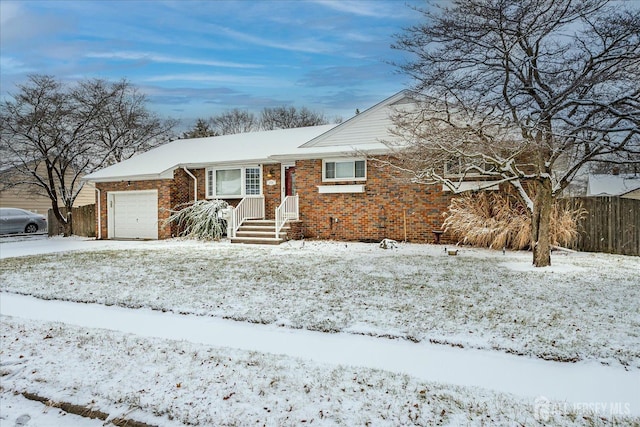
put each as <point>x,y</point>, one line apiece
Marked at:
<point>182,188</point>
<point>297,230</point>
<point>380,212</point>
<point>272,193</point>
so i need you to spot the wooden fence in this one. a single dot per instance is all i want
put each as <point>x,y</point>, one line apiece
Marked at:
<point>83,221</point>
<point>612,225</point>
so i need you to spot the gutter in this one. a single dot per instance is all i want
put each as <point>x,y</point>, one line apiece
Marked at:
<point>352,152</point>
<point>99,214</point>
<point>195,183</point>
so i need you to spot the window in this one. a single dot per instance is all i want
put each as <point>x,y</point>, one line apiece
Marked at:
<point>344,170</point>
<point>228,182</point>
<point>252,181</point>
<point>234,183</point>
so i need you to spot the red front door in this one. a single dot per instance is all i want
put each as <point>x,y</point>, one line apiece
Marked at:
<point>290,181</point>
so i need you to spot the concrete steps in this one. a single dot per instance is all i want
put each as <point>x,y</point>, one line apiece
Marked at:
<point>260,232</point>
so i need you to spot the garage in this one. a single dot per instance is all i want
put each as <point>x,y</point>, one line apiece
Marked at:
<point>133,214</point>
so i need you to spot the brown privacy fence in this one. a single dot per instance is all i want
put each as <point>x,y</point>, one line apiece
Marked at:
<point>83,221</point>
<point>612,225</point>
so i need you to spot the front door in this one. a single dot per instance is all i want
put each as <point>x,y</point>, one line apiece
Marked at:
<point>290,181</point>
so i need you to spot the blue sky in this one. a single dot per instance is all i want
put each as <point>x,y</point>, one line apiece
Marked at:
<point>199,58</point>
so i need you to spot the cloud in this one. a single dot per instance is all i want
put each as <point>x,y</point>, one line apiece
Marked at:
<point>346,75</point>
<point>12,65</point>
<point>361,8</point>
<point>307,45</point>
<point>152,57</point>
<point>20,25</point>
<point>210,78</point>
<point>8,12</point>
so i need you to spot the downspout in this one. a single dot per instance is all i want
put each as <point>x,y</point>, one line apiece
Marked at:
<point>99,214</point>
<point>195,183</point>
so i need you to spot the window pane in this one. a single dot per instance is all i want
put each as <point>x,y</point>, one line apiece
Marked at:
<point>330,170</point>
<point>344,170</point>
<point>360,169</point>
<point>210,183</point>
<point>252,181</point>
<point>229,182</point>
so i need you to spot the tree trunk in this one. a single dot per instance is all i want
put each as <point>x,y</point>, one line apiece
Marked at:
<point>540,224</point>
<point>68,226</point>
<point>65,220</point>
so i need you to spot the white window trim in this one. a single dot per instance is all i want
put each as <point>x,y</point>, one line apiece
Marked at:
<point>343,159</point>
<point>337,189</point>
<point>211,186</point>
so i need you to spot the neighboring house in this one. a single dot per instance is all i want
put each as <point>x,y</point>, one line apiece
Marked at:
<point>30,197</point>
<point>316,178</point>
<point>623,185</point>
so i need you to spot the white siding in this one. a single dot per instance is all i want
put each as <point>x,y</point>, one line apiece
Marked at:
<point>368,127</point>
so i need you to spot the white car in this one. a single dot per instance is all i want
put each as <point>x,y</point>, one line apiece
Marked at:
<point>14,220</point>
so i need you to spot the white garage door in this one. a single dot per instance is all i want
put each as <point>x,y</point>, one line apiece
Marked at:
<point>134,215</point>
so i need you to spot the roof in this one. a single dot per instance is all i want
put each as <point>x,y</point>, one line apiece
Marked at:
<point>366,132</point>
<point>251,147</point>
<point>612,185</point>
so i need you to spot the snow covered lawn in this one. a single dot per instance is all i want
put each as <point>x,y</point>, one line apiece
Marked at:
<point>168,382</point>
<point>585,307</point>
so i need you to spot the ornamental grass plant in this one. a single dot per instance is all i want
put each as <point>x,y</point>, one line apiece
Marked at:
<point>500,220</point>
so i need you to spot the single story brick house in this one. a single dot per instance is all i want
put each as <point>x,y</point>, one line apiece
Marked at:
<point>316,182</point>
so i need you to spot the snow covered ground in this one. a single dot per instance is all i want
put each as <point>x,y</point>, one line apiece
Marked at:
<point>323,287</point>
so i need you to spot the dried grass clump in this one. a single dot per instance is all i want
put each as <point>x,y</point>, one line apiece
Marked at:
<point>200,220</point>
<point>564,223</point>
<point>500,220</point>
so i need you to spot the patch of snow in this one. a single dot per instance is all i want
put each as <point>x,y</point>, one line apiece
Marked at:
<point>529,267</point>
<point>579,382</point>
<point>415,292</point>
<point>16,410</point>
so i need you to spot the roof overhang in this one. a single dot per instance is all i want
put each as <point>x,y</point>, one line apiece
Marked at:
<point>168,174</point>
<point>335,152</point>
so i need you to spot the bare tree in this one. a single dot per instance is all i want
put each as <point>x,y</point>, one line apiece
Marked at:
<point>523,93</point>
<point>234,121</point>
<point>124,126</point>
<point>290,117</point>
<point>52,135</point>
<point>240,121</point>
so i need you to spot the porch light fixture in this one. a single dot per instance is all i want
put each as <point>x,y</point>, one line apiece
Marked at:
<point>270,174</point>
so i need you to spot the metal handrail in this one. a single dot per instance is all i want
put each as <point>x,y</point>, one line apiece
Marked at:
<point>248,208</point>
<point>287,211</point>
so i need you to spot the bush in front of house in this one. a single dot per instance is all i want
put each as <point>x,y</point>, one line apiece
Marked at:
<point>200,220</point>
<point>499,220</point>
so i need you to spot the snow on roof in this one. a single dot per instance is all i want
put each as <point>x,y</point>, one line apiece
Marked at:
<point>363,133</point>
<point>251,147</point>
<point>612,185</point>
